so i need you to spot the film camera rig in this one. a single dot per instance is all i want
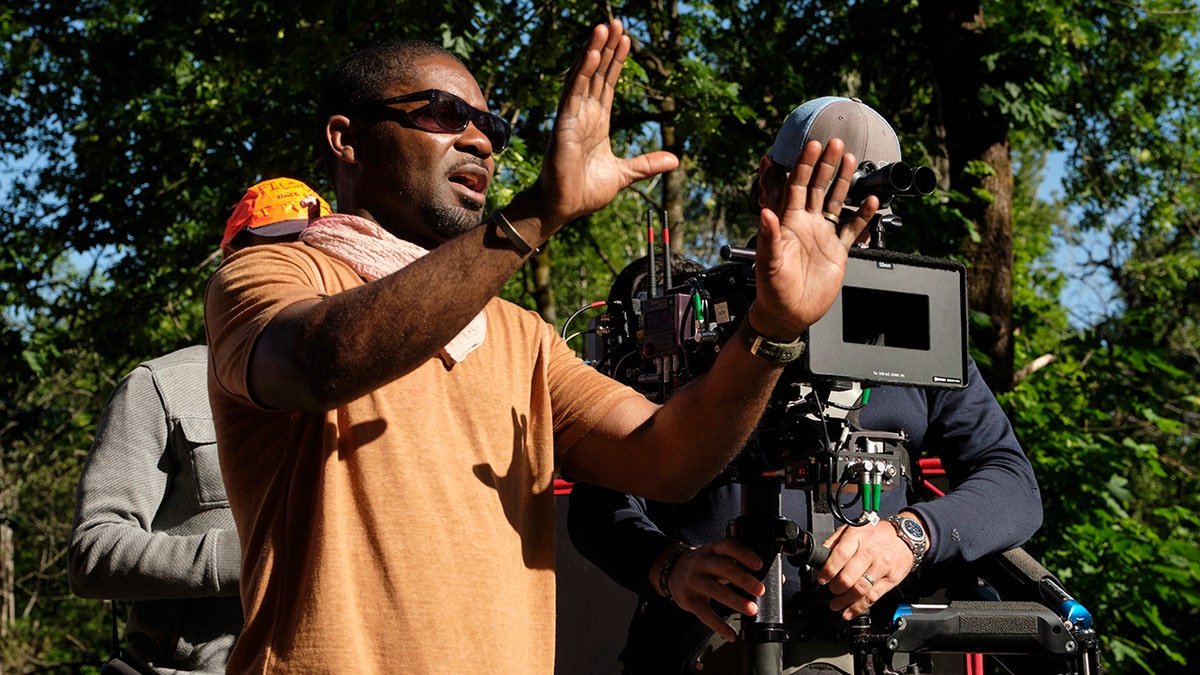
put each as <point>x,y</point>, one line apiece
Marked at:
<point>899,320</point>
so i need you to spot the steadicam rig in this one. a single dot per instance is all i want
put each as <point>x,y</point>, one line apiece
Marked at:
<point>665,324</point>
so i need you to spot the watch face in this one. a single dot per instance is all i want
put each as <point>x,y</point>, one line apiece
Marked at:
<point>912,528</point>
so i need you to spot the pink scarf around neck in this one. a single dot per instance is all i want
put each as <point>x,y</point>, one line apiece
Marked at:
<point>374,253</point>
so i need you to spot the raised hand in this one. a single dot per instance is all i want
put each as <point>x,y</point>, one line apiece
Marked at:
<point>580,174</point>
<point>801,256</point>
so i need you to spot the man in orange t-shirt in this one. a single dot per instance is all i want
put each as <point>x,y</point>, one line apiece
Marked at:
<point>389,430</point>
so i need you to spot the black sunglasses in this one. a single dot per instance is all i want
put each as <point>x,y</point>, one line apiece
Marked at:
<point>449,113</point>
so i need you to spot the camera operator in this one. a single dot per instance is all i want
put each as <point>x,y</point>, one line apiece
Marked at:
<point>688,574</point>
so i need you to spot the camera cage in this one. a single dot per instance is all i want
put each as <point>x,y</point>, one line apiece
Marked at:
<point>809,437</point>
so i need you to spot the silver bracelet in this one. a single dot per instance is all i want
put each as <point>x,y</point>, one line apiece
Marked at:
<point>511,233</point>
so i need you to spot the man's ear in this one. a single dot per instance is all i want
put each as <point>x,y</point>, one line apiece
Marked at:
<point>768,181</point>
<point>340,138</point>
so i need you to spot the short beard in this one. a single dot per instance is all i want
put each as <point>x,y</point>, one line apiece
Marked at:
<point>450,221</point>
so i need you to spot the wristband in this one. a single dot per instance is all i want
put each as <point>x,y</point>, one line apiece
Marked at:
<point>518,242</point>
<point>770,350</point>
<point>664,572</point>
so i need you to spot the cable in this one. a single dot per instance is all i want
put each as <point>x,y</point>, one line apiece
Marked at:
<point>572,336</point>
<point>848,408</point>
<point>581,310</point>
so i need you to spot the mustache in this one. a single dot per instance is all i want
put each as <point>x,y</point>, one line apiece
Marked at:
<point>472,161</point>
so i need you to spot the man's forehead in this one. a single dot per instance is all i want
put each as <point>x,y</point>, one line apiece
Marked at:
<point>439,72</point>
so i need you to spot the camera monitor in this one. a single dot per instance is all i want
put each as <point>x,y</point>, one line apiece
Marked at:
<point>899,319</point>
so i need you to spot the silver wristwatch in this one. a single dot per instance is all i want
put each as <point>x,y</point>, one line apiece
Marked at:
<point>910,530</point>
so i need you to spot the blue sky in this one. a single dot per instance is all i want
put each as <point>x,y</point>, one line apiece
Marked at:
<point>1088,296</point>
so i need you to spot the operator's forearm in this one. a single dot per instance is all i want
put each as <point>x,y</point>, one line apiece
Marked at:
<point>317,355</point>
<point>614,531</point>
<point>995,503</point>
<point>997,508</point>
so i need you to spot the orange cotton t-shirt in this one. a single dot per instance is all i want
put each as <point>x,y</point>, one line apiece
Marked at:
<point>411,530</point>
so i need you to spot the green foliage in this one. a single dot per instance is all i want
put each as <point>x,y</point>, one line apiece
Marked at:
<point>1109,424</point>
<point>1114,503</point>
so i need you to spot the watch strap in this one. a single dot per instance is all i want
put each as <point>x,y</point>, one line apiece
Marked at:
<point>918,545</point>
<point>768,349</point>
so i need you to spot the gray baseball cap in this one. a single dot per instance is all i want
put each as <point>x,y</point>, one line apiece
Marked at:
<point>866,134</point>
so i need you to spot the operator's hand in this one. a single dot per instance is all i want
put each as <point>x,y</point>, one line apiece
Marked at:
<point>580,173</point>
<point>857,555</point>
<point>801,256</point>
<point>716,571</point>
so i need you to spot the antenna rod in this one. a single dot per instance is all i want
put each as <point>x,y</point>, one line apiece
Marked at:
<point>650,228</point>
<point>666,251</point>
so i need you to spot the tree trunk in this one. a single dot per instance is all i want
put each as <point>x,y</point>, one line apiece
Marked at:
<point>674,188</point>
<point>974,135</point>
<point>543,294</point>
<point>8,590</point>
<point>990,261</point>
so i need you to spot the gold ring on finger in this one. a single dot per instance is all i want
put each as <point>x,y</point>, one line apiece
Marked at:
<point>831,217</point>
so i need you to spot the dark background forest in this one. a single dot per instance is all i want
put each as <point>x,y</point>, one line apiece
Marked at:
<point>1063,133</point>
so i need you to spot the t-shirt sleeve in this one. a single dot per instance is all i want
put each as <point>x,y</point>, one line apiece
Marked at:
<point>581,396</point>
<point>246,292</point>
